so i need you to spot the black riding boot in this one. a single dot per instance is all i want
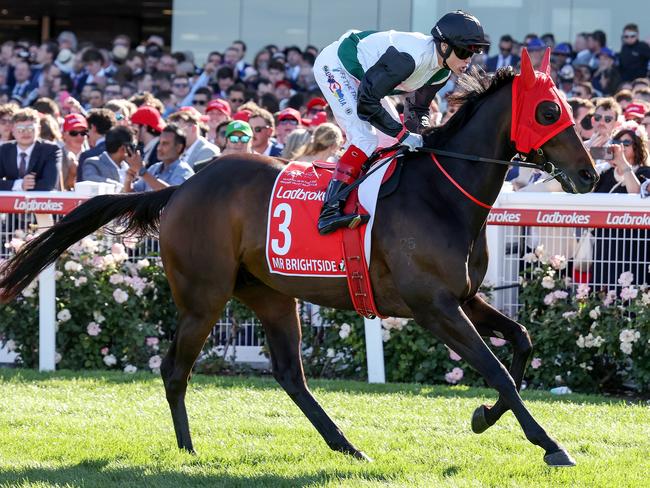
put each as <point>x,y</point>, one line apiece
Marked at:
<point>332,216</point>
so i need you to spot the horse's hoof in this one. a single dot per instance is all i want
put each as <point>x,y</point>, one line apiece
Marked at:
<point>362,456</point>
<point>559,459</point>
<point>479,422</point>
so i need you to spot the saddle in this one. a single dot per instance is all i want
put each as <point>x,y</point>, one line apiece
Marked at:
<point>295,248</point>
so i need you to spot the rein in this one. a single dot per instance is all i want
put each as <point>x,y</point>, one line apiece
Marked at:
<point>400,151</point>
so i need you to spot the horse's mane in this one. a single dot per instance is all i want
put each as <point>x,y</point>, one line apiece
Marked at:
<point>471,89</point>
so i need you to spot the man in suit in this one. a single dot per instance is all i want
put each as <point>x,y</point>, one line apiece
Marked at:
<point>100,121</point>
<point>198,147</point>
<point>263,125</point>
<point>110,165</point>
<point>28,163</point>
<point>505,56</point>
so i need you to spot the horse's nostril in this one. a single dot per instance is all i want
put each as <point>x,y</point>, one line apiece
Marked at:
<point>587,175</point>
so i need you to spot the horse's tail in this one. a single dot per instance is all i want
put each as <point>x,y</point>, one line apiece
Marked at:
<point>138,213</point>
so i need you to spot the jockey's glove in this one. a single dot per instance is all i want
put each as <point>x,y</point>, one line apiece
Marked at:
<point>413,141</point>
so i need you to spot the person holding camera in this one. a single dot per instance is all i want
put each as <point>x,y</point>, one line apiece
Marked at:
<point>110,165</point>
<point>604,122</point>
<point>169,171</point>
<point>629,165</point>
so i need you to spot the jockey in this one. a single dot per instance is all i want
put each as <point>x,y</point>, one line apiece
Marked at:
<point>356,72</point>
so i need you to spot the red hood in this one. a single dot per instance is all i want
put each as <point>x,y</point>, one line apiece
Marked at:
<point>529,88</point>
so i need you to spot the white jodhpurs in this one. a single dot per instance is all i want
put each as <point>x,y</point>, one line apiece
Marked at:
<point>340,89</point>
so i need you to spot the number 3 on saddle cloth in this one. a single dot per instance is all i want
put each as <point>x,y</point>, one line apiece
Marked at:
<point>295,248</point>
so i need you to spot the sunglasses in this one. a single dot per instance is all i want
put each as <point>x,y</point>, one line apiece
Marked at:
<point>466,52</point>
<point>24,128</point>
<point>260,129</point>
<point>288,122</point>
<point>608,118</point>
<point>626,142</point>
<point>199,102</point>
<point>238,139</point>
<point>236,100</point>
<point>75,133</point>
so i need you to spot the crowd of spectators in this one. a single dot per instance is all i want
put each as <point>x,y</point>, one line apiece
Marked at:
<point>142,117</point>
<point>609,94</point>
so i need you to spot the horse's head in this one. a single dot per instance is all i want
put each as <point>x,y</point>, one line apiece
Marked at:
<point>543,127</point>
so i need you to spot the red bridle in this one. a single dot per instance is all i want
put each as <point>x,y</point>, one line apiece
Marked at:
<point>529,89</point>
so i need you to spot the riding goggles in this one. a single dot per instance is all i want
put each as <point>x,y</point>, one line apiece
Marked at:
<point>464,52</point>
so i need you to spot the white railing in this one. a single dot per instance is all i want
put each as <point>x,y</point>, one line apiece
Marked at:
<point>618,227</point>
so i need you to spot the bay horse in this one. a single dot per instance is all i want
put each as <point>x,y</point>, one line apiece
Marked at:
<point>429,249</point>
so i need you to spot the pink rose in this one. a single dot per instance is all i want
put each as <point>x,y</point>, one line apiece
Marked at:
<point>152,341</point>
<point>93,329</point>
<point>535,363</point>
<point>117,248</point>
<point>155,362</point>
<point>104,351</point>
<point>454,376</point>
<point>453,356</point>
<point>496,342</point>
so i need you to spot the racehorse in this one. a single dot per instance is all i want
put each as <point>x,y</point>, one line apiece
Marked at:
<point>429,248</point>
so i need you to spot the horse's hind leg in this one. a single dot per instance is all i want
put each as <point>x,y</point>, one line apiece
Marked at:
<point>281,324</point>
<point>200,304</point>
<point>192,331</point>
<point>487,321</point>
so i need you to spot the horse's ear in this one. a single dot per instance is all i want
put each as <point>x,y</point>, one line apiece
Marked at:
<point>546,63</point>
<point>527,70</point>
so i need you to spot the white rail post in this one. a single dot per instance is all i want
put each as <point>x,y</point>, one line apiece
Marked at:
<point>374,351</point>
<point>47,309</point>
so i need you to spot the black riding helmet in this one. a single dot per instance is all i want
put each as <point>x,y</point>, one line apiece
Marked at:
<point>461,32</point>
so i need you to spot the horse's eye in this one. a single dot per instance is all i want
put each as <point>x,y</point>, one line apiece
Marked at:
<point>547,113</point>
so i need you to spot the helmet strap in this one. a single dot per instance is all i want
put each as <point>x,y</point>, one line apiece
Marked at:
<point>445,54</point>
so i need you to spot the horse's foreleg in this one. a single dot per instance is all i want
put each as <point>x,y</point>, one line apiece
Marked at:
<point>487,321</point>
<point>282,327</point>
<point>449,323</point>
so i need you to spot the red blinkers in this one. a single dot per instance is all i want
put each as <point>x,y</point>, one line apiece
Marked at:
<point>529,88</point>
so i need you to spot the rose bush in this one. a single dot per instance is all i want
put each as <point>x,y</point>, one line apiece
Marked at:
<point>589,340</point>
<point>111,313</point>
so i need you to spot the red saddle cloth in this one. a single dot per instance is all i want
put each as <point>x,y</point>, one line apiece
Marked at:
<point>295,248</point>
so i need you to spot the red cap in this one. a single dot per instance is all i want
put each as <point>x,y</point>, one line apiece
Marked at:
<point>634,111</point>
<point>316,102</point>
<point>318,119</point>
<point>219,105</point>
<point>243,115</point>
<point>148,116</point>
<point>283,83</point>
<point>74,121</point>
<point>290,113</point>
